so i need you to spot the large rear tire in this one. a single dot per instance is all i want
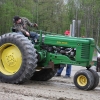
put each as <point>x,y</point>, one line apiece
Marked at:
<point>83,79</point>
<point>17,58</point>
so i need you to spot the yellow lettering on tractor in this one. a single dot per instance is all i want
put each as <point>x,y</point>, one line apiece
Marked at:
<point>59,42</point>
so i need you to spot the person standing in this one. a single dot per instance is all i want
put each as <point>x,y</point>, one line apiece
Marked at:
<point>68,66</point>
<point>68,70</point>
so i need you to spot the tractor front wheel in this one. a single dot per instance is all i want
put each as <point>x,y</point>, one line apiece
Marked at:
<point>96,77</point>
<point>84,79</point>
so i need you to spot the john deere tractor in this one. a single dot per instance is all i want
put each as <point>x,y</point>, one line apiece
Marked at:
<point>21,60</point>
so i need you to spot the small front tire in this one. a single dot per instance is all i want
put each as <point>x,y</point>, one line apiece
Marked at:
<point>96,77</point>
<point>83,79</point>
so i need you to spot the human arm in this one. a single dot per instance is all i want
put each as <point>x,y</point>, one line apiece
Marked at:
<point>26,33</point>
<point>19,28</point>
<point>30,24</point>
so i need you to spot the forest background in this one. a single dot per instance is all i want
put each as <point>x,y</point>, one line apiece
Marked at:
<point>54,15</point>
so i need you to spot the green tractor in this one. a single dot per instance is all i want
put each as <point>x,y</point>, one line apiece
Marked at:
<point>20,60</point>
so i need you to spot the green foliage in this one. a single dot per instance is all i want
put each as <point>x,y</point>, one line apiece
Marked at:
<point>54,15</point>
<point>6,11</point>
<point>9,9</point>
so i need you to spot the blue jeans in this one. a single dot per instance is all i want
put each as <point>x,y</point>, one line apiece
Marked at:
<point>68,70</point>
<point>33,35</point>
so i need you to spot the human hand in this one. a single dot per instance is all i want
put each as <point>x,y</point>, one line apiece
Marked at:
<point>27,33</point>
<point>35,25</point>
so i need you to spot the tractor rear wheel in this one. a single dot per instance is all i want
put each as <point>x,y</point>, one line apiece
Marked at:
<point>43,74</point>
<point>18,58</point>
<point>84,79</point>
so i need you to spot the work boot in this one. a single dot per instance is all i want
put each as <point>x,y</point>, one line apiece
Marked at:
<point>57,75</point>
<point>66,76</point>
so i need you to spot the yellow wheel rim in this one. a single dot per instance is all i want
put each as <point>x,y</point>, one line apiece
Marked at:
<point>82,80</point>
<point>10,59</point>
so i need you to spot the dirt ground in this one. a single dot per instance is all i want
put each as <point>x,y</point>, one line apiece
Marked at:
<point>58,88</point>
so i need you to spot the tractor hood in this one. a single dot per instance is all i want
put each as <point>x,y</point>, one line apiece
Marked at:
<point>60,40</point>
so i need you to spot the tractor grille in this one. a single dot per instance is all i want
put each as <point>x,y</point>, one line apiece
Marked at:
<point>85,51</point>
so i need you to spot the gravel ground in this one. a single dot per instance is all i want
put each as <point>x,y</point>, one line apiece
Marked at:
<point>58,88</point>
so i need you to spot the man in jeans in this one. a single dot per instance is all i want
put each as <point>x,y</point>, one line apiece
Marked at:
<point>68,67</point>
<point>21,26</point>
<point>68,70</point>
